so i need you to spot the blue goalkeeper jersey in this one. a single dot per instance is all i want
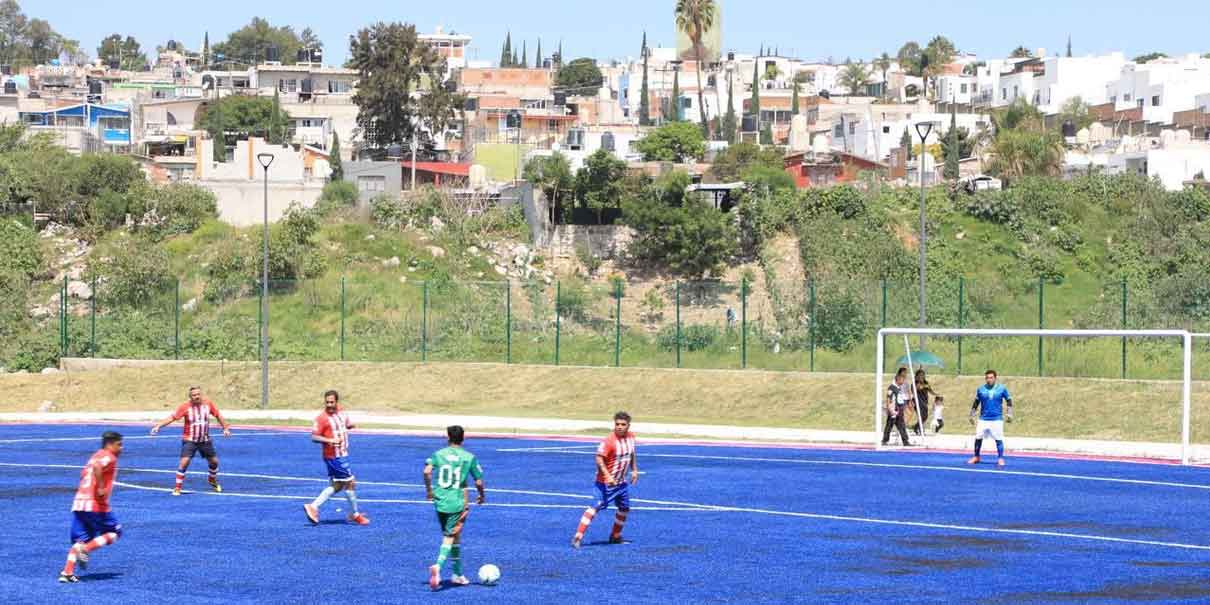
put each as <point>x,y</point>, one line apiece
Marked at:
<point>991,401</point>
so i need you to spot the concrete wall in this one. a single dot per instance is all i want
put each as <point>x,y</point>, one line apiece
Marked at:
<point>604,241</point>
<point>391,172</point>
<point>241,202</point>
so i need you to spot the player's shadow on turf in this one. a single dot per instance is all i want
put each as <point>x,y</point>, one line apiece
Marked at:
<point>604,543</point>
<point>447,585</point>
<point>101,577</point>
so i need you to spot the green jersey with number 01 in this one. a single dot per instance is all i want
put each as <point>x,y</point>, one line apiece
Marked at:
<point>451,468</point>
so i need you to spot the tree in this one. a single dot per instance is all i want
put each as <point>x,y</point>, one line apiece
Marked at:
<point>766,134</point>
<point>731,163</point>
<point>599,182</point>
<point>854,77</point>
<point>676,142</point>
<point>44,43</point>
<point>1069,46</point>
<point>794,100</point>
<point>883,64</point>
<point>950,147</point>
<point>242,116</point>
<point>205,50</point>
<point>644,92</point>
<point>277,126</point>
<point>251,43</point>
<point>678,231</point>
<point>754,102</point>
<point>905,142</point>
<point>394,66</point>
<point>334,160</point>
<point>676,96</point>
<point>939,52</point>
<point>580,77</point>
<point>730,120</point>
<point>1021,52</point>
<point>309,40</point>
<point>695,18</point>
<point>13,48</point>
<point>1076,111</point>
<point>524,55</point>
<point>552,174</point>
<point>1149,57</point>
<point>123,53</point>
<point>516,61</point>
<point>538,53</point>
<point>506,52</point>
<point>910,56</point>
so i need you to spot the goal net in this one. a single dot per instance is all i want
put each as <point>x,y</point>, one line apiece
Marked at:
<point>1060,404</point>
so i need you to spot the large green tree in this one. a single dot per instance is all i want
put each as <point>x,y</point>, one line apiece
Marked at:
<point>251,43</point>
<point>695,18</point>
<point>677,230</point>
<point>675,142</point>
<point>580,77</point>
<point>243,116</point>
<point>125,53</point>
<point>883,64</point>
<point>599,182</point>
<point>855,77</point>
<point>1021,52</point>
<point>400,80</point>
<point>1149,57</point>
<point>552,174</point>
<point>732,162</point>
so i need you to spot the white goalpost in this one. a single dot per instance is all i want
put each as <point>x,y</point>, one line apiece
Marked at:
<point>1185,337</point>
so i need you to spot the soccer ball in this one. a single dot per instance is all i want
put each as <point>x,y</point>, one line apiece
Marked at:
<point>489,574</point>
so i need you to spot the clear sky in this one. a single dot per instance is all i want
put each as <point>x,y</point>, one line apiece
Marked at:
<point>613,28</point>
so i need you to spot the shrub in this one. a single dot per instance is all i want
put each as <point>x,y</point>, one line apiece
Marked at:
<point>694,337</point>
<point>840,320</point>
<point>337,195</point>
<point>20,250</point>
<point>228,273</point>
<point>179,208</point>
<point>135,273</point>
<point>388,211</point>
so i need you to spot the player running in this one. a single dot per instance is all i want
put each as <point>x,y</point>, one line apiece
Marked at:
<point>454,465</point>
<point>989,400</point>
<point>332,430</point>
<point>196,436</point>
<point>93,525</point>
<point>615,456</point>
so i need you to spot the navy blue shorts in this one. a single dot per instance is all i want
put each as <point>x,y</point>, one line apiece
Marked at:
<point>85,525</point>
<point>338,469</point>
<point>618,495</point>
<point>191,448</point>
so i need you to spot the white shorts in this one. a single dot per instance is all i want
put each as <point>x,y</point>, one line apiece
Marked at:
<point>990,428</point>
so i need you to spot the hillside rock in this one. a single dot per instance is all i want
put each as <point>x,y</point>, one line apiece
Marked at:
<point>436,251</point>
<point>391,262</point>
<point>190,306</point>
<point>79,289</point>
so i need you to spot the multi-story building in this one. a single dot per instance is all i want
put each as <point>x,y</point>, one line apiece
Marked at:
<point>452,46</point>
<point>1161,87</point>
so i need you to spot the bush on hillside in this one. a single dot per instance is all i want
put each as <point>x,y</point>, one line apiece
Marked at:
<point>694,337</point>
<point>135,274</point>
<point>20,250</point>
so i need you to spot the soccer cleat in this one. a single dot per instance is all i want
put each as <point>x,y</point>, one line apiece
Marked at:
<point>575,541</point>
<point>312,513</point>
<point>616,540</point>
<point>434,577</point>
<point>216,487</point>
<point>68,578</point>
<point>176,491</point>
<point>460,580</point>
<point>940,425</point>
<point>1000,462</point>
<point>359,519</point>
<point>973,460</point>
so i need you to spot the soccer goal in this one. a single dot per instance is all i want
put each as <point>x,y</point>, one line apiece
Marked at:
<point>958,404</point>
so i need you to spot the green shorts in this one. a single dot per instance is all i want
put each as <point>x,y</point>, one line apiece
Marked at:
<point>451,523</point>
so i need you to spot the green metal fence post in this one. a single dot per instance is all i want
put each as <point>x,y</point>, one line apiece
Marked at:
<point>617,325</point>
<point>424,321</point>
<point>92,340</point>
<point>558,319</point>
<point>678,324</point>
<point>176,323</point>
<point>1041,318</point>
<point>961,317</point>
<point>342,318</point>
<point>508,321</point>
<point>811,287</point>
<point>1124,327</point>
<point>743,324</point>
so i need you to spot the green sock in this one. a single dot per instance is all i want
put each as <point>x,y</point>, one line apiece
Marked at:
<point>456,559</point>
<point>443,555</point>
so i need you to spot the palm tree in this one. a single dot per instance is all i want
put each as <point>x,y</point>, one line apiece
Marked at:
<point>854,77</point>
<point>695,17</point>
<point>883,63</point>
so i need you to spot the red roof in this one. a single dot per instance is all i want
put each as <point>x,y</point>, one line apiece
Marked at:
<point>450,168</point>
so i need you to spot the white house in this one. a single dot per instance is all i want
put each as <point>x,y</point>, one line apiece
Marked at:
<point>1161,87</point>
<point>1172,158</point>
<point>873,134</point>
<point>1050,82</point>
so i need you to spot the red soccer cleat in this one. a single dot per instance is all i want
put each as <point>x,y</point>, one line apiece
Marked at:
<point>434,577</point>
<point>359,519</point>
<point>312,513</point>
<point>973,460</point>
<point>1000,462</point>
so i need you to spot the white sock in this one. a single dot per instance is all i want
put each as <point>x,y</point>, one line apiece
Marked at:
<point>351,496</point>
<point>323,496</point>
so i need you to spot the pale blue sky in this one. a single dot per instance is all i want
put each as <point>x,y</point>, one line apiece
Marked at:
<point>613,28</point>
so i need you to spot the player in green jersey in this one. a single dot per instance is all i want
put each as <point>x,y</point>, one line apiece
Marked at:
<point>453,466</point>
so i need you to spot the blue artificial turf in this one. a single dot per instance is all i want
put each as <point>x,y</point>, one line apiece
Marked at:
<point>711,524</point>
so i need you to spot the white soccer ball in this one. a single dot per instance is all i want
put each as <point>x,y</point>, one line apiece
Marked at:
<point>489,574</point>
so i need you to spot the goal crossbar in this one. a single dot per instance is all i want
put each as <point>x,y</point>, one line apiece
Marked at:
<point>1186,373</point>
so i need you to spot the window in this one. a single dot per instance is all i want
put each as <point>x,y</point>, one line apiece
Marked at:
<point>552,125</point>
<point>1141,103</point>
<point>372,183</point>
<point>1155,101</point>
<point>886,130</point>
<point>171,119</point>
<point>1126,97</point>
<point>290,85</point>
<point>1003,94</point>
<point>838,130</point>
<point>963,89</point>
<point>1113,99</point>
<point>1016,91</point>
<point>852,128</point>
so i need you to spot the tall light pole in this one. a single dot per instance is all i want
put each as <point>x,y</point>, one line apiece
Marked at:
<point>414,126</point>
<point>923,129</point>
<point>265,160</point>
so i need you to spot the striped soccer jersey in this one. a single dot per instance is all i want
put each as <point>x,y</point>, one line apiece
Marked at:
<point>334,426</point>
<point>617,453</point>
<point>86,494</point>
<point>197,420</point>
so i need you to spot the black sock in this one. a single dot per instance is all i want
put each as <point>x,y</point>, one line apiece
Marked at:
<point>978,446</point>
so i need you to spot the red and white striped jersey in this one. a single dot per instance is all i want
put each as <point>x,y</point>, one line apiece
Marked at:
<point>334,426</point>
<point>197,419</point>
<point>618,454</point>
<point>86,495</point>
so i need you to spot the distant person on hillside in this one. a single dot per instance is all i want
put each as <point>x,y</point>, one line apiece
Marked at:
<point>196,436</point>
<point>730,317</point>
<point>924,392</point>
<point>989,405</point>
<point>897,399</point>
<point>615,460</point>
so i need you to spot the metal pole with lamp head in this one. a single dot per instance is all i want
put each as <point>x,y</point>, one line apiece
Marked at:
<point>923,129</point>
<point>265,160</point>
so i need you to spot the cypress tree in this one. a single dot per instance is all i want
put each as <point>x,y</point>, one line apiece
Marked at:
<point>644,94</point>
<point>754,104</point>
<point>729,120</point>
<point>676,96</point>
<point>951,154</point>
<point>506,54</point>
<point>794,100</point>
<point>538,55</point>
<point>524,55</point>
<point>338,171</point>
<point>206,49</point>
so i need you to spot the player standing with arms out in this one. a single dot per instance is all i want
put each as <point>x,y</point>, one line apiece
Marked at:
<point>93,525</point>
<point>332,430</point>
<point>196,436</point>
<point>989,400</point>
<point>615,457</point>
<point>453,465</point>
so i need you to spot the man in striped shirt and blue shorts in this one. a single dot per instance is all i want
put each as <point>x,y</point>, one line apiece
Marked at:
<point>332,430</point>
<point>196,436</point>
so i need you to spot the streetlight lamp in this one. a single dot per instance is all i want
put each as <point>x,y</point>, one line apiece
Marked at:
<point>265,160</point>
<point>923,129</point>
<point>415,125</point>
